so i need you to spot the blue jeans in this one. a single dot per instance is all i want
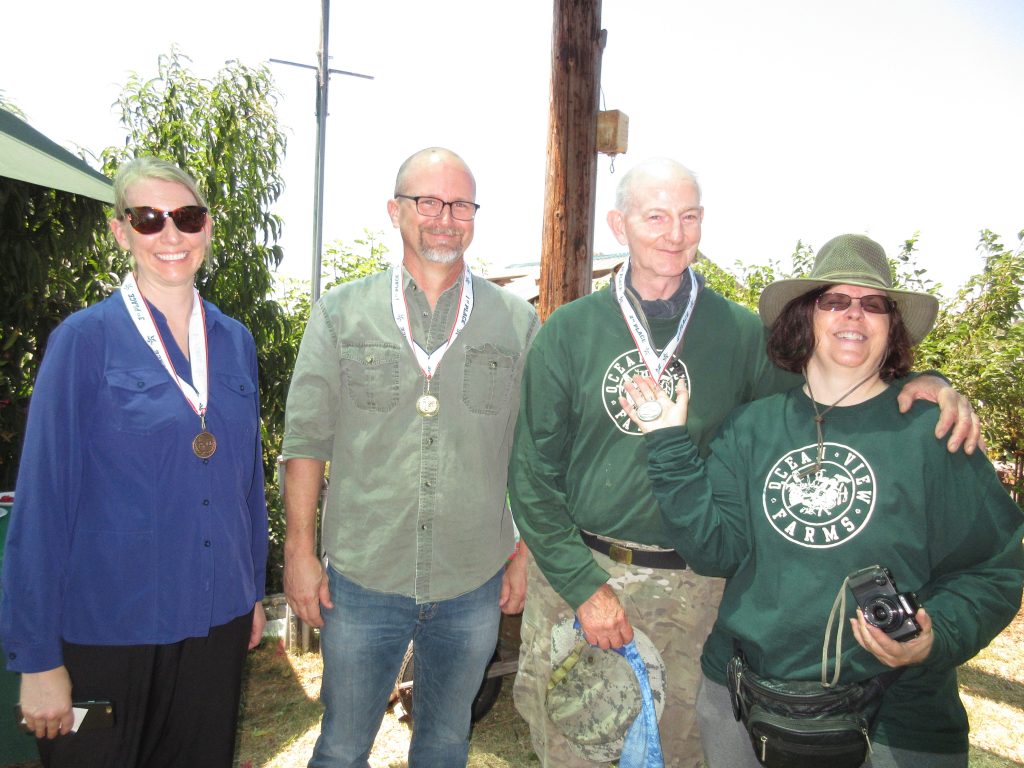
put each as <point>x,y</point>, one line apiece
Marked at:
<point>363,640</point>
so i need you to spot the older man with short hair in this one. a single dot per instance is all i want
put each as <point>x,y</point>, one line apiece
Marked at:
<point>578,479</point>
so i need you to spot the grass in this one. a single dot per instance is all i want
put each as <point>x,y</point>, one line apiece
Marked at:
<point>281,713</point>
<point>992,688</point>
<point>282,720</point>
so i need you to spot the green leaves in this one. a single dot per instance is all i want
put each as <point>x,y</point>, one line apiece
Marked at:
<point>57,259</point>
<point>978,342</point>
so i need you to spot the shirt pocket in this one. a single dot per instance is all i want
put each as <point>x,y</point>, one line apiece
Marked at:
<point>488,379</point>
<point>369,373</point>
<point>236,397</point>
<point>142,401</point>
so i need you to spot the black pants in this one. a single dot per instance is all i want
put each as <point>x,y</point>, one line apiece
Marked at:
<point>174,705</point>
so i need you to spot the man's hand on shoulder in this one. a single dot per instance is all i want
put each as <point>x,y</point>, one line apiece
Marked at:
<point>955,412</point>
<point>603,619</point>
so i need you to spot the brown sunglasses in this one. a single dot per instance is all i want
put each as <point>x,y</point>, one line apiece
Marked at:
<point>147,220</point>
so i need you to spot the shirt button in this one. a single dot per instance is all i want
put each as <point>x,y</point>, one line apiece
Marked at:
<point>423,527</point>
<point>429,484</point>
<point>140,384</point>
<point>12,656</point>
<point>206,461</point>
<point>494,364</point>
<point>206,543</point>
<point>206,502</point>
<point>369,360</point>
<point>430,441</point>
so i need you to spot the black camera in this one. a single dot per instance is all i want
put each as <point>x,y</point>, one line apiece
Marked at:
<point>884,606</point>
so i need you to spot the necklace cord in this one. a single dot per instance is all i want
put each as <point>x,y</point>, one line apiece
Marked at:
<point>819,416</point>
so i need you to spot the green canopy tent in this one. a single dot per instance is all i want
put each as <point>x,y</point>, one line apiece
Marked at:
<point>27,155</point>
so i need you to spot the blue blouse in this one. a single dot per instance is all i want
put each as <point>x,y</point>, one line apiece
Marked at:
<point>120,534</point>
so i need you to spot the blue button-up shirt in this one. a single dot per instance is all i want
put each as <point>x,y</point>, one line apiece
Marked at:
<point>120,534</point>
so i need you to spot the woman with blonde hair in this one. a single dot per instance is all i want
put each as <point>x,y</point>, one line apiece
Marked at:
<point>136,554</point>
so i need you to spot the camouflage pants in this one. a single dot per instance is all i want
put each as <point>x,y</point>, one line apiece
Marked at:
<point>676,610</point>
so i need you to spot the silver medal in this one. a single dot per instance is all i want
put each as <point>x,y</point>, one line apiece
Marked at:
<point>648,411</point>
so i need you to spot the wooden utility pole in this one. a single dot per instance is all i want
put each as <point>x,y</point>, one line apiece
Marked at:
<point>568,235</point>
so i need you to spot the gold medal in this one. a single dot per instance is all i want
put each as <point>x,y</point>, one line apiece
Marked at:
<point>427,405</point>
<point>204,445</point>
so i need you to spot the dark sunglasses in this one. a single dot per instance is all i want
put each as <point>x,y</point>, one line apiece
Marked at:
<point>148,221</point>
<point>875,303</point>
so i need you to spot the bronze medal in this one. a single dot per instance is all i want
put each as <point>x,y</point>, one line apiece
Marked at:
<point>427,405</point>
<point>204,445</point>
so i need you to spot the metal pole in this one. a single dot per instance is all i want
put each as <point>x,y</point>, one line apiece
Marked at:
<point>323,79</point>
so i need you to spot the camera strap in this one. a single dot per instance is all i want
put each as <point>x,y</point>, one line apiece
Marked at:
<point>838,610</point>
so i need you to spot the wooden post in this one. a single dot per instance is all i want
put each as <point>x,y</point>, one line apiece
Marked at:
<point>568,236</point>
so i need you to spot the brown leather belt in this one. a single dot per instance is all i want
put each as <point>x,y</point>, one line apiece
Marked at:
<point>627,555</point>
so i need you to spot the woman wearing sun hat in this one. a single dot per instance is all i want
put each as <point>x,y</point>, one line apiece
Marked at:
<point>805,487</point>
<point>135,561</point>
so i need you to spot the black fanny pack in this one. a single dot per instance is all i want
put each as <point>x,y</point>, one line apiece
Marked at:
<point>802,724</point>
<point>808,723</point>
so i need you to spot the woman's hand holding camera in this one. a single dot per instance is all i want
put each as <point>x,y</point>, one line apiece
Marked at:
<point>891,652</point>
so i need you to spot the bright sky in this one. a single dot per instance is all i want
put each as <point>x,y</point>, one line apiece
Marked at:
<point>802,119</point>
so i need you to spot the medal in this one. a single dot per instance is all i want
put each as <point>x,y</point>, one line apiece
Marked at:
<point>655,363</point>
<point>204,444</point>
<point>649,410</point>
<point>427,405</point>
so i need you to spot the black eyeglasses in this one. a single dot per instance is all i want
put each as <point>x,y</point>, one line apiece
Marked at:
<point>434,207</point>
<point>148,221</point>
<point>875,303</point>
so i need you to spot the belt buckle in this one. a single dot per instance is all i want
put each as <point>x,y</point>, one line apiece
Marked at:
<point>620,554</point>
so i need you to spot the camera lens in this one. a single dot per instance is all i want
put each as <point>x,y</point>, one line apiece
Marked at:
<point>883,613</point>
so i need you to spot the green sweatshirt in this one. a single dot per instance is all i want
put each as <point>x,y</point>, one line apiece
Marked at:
<point>888,493</point>
<point>578,462</point>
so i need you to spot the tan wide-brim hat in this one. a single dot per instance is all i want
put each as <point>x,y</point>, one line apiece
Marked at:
<point>852,260</point>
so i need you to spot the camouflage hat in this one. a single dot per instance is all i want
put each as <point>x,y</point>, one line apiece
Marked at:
<point>593,696</point>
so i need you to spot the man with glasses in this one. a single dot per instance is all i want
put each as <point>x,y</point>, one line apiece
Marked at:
<point>578,479</point>
<point>408,383</point>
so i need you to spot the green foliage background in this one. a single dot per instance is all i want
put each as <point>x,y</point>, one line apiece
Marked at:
<point>55,262</point>
<point>59,257</point>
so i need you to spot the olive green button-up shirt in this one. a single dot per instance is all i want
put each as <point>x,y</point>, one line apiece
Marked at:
<point>417,504</point>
